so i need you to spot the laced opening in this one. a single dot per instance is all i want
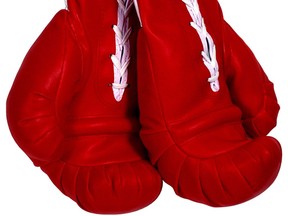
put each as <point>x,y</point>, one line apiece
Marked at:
<point>121,59</point>
<point>209,48</point>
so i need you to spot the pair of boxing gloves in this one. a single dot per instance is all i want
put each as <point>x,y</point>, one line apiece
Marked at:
<point>116,96</point>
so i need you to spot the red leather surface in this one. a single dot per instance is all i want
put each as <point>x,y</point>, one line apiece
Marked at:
<point>62,113</point>
<point>211,147</point>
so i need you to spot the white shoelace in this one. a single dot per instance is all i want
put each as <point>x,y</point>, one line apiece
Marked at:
<point>66,4</point>
<point>121,59</point>
<point>209,52</point>
<point>137,11</point>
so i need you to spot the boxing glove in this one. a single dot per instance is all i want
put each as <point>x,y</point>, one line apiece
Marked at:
<point>206,104</point>
<point>73,108</point>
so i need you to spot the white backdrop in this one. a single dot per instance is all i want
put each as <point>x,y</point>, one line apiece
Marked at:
<point>25,190</point>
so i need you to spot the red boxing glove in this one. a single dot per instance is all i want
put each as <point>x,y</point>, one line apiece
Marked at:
<point>71,113</point>
<point>206,105</point>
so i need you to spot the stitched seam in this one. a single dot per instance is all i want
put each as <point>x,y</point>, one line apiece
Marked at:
<point>62,73</point>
